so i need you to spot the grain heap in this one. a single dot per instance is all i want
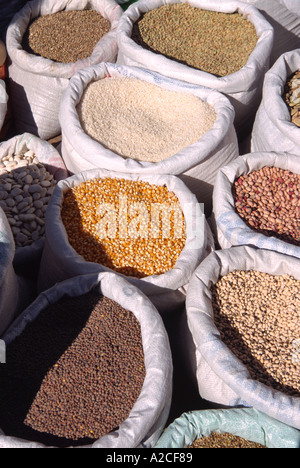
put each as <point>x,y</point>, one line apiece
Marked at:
<point>223,440</point>
<point>269,201</point>
<point>142,121</point>
<point>292,97</point>
<point>74,373</point>
<point>65,36</point>
<point>258,317</point>
<point>25,190</point>
<point>214,42</point>
<point>115,222</point>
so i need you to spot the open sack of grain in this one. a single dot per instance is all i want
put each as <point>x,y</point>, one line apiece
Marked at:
<point>93,345</point>
<point>149,36</point>
<point>44,52</point>
<point>277,122</point>
<point>29,170</point>
<point>243,315</point>
<point>228,428</point>
<point>150,229</point>
<point>3,102</point>
<point>283,15</point>
<point>256,202</point>
<point>135,121</point>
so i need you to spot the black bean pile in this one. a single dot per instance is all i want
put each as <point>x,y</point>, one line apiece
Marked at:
<point>74,373</point>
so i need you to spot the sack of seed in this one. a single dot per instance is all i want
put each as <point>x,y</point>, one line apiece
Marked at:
<point>97,346</point>
<point>29,171</point>
<point>276,126</point>
<point>248,424</point>
<point>3,102</point>
<point>283,15</point>
<point>150,229</point>
<point>243,313</point>
<point>243,52</point>
<point>9,286</point>
<point>256,202</point>
<point>131,120</point>
<point>47,42</point>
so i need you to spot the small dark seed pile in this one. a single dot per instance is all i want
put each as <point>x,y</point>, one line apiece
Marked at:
<point>269,202</point>
<point>292,97</point>
<point>224,440</point>
<point>65,36</point>
<point>74,373</point>
<point>215,42</point>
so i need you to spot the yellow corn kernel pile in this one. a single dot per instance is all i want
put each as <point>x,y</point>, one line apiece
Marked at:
<point>133,227</point>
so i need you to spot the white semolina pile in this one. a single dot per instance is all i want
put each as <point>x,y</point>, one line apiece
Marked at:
<point>142,121</point>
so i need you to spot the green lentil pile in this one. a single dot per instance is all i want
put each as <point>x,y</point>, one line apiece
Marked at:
<point>292,97</point>
<point>73,374</point>
<point>224,440</point>
<point>258,317</point>
<point>65,36</point>
<point>214,42</point>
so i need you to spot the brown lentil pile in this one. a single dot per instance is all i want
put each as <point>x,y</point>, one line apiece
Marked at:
<point>292,97</point>
<point>73,374</point>
<point>258,317</point>
<point>65,36</point>
<point>269,202</point>
<point>148,250</point>
<point>214,42</point>
<point>142,121</point>
<point>224,440</point>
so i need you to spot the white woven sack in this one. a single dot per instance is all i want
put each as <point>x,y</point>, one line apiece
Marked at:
<point>3,102</point>
<point>37,83</point>
<point>47,155</point>
<point>273,129</point>
<point>222,378</point>
<point>149,414</point>
<point>167,291</point>
<point>283,15</point>
<point>292,5</point>
<point>243,87</point>
<point>196,165</point>
<point>9,286</point>
<point>230,229</point>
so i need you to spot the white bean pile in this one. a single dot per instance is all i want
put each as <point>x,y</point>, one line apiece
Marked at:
<point>25,190</point>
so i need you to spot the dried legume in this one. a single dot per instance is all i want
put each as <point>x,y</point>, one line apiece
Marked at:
<point>223,440</point>
<point>258,317</point>
<point>131,239</point>
<point>269,201</point>
<point>214,42</point>
<point>73,374</point>
<point>25,190</point>
<point>292,97</point>
<point>142,121</point>
<point>65,36</point>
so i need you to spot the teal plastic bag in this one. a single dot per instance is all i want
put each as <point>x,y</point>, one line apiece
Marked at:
<point>247,423</point>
